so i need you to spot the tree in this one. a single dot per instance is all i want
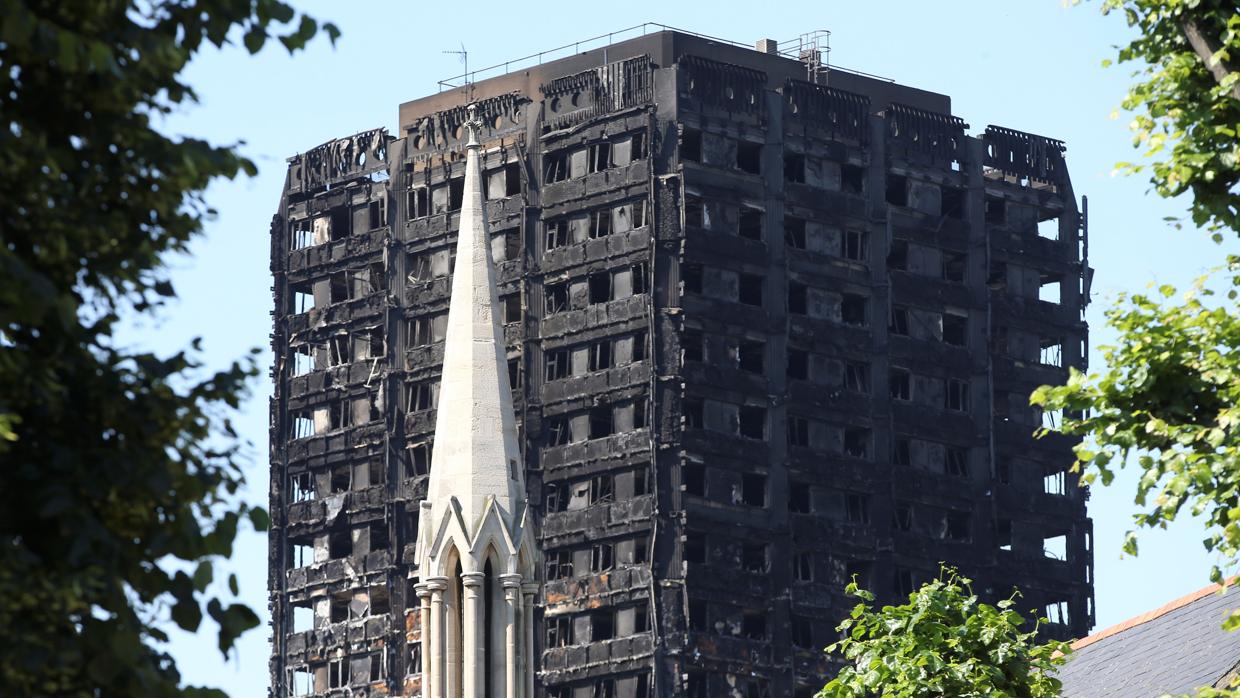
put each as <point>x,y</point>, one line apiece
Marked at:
<point>943,642</point>
<point>118,468</point>
<point>1169,394</point>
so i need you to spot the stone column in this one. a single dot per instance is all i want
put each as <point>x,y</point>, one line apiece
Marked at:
<point>437,585</point>
<point>424,620</point>
<point>472,636</point>
<point>527,613</point>
<point>512,593</point>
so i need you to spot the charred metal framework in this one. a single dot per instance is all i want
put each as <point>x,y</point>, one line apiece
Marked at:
<point>764,335</point>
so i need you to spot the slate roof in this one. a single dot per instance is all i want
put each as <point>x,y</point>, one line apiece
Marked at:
<point>1174,649</point>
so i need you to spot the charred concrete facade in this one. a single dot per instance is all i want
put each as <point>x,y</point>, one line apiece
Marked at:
<point>767,329</point>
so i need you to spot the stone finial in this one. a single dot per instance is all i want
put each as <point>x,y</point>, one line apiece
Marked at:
<point>473,126</point>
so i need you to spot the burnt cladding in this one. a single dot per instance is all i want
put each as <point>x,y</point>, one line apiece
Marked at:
<point>767,330</point>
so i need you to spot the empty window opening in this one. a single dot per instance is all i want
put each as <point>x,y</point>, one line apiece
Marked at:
<point>855,245</point>
<point>691,145</point>
<point>694,413</point>
<point>751,356</point>
<point>340,220</point>
<point>753,557</point>
<point>1051,353</point>
<point>555,167</point>
<point>599,157</point>
<point>556,363</point>
<point>419,461</point>
<point>691,278</point>
<point>599,357</point>
<point>556,297</point>
<point>338,350</point>
<point>857,377</point>
<point>897,258</point>
<point>599,287</point>
<point>427,330</point>
<point>897,190</point>
<point>303,359</point>
<point>854,310</point>
<point>693,479</point>
<point>859,572</point>
<point>602,421</point>
<point>512,308</point>
<point>794,167</point>
<point>600,223</point>
<point>749,157</point>
<point>1052,419</point>
<point>903,517</point>
<point>601,557</point>
<point>752,422</point>
<point>559,630</point>
<point>1049,228</point>
<point>803,567</point>
<point>338,286</point>
<point>798,431</point>
<point>799,501</point>
<point>456,193</point>
<point>902,582</point>
<point>857,442</point>
<point>750,289</point>
<point>899,321</point>
<point>301,234</point>
<point>418,202</point>
<point>695,213</point>
<point>901,383</point>
<point>956,461</point>
<point>1055,547</point>
<point>957,396</point>
<point>692,346</point>
<point>559,565</point>
<point>958,527</point>
<point>341,479</point>
<point>698,615</point>
<point>753,489</point>
<point>953,202</point>
<point>753,624</point>
<point>303,297</point>
<point>955,329</point>
<point>302,486</point>
<point>301,682</point>
<point>1051,290</point>
<point>857,508</point>
<point>338,673</point>
<point>852,179</point>
<point>954,266</point>
<point>902,451</point>
<point>1055,483</point>
<point>421,396</point>
<point>1057,612</point>
<point>803,637</point>
<point>512,179</point>
<point>750,226</point>
<point>798,298</point>
<point>301,555</point>
<point>556,234</point>
<point>798,364</point>
<point>1003,534</point>
<point>794,232</point>
<point>996,210</point>
<point>339,545</point>
<point>694,547</point>
<point>340,414</point>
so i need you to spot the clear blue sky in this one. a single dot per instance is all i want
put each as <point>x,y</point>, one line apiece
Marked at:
<point>1028,65</point>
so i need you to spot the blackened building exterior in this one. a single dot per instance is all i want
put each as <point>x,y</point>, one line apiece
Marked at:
<point>770,325</point>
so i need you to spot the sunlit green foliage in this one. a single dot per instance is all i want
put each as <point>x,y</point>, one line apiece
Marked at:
<point>118,468</point>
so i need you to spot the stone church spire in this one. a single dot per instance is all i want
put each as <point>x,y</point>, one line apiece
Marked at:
<point>475,454</point>
<point>475,550</point>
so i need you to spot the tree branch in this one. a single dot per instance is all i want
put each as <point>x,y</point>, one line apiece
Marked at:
<point>1201,45</point>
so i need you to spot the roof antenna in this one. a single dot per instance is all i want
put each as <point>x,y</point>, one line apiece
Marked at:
<point>464,56</point>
